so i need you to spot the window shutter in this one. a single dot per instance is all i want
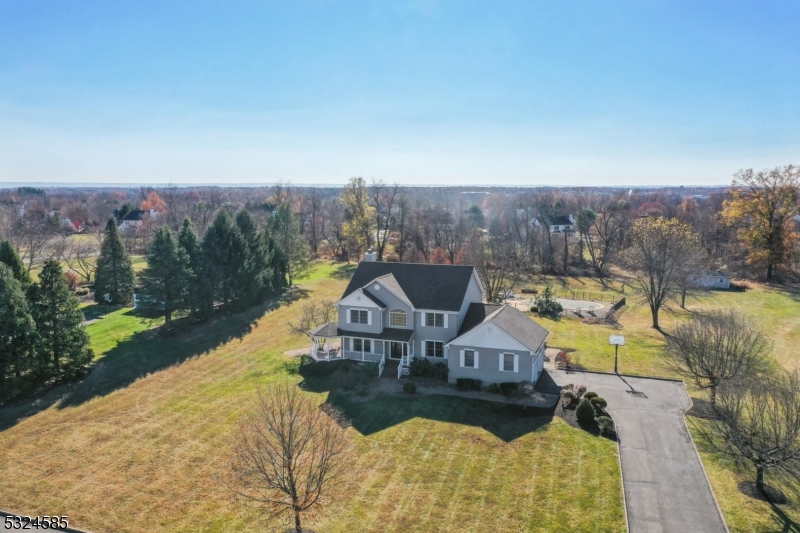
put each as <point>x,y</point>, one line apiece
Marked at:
<point>516,363</point>
<point>349,315</point>
<point>501,357</point>
<point>445,321</point>
<point>476,359</point>
<point>462,358</point>
<point>369,318</point>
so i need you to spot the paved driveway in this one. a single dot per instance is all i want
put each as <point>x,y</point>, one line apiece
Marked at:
<point>665,486</point>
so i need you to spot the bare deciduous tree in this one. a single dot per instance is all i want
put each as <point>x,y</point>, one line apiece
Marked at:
<point>290,455</point>
<point>716,348</point>
<point>759,424</point>
<point>314,314</point>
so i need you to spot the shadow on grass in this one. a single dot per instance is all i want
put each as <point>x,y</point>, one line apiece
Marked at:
<point>144,353</point>
<point>783,523</point>
<point>368,416</point>
<point>345,271</point>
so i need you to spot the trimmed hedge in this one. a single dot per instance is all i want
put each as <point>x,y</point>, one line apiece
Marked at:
<point>589,395</point>
<point>584,412</point>
<point>493,388</point>
<point>424,368</point>
<point>468,384</point>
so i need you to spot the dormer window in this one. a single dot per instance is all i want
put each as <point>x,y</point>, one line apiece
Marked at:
<point>397,318</point>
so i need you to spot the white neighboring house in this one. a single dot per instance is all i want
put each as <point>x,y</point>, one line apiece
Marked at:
<point>559,224</point>
<point>713,279</point>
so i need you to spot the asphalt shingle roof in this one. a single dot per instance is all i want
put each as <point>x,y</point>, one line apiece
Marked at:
<point>514,322</point>
<point>332,329</point>
<point>438,287</point>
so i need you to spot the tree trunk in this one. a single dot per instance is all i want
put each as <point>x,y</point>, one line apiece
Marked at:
<point>654,311</point>
<point>683,298</point>
<point>760,478</point>
<point>714,397</point>
<point>297,527</point>
<point>770,271</point>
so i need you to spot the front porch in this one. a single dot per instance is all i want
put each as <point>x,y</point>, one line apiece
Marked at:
<point>393,348</point>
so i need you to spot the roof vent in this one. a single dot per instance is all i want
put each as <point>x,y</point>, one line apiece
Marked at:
<point>371,256</point>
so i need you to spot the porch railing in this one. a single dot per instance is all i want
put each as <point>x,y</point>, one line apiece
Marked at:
<point>326,355</point>
<point>361,356</point>
<point>381,365</point>
<point>403,364</point>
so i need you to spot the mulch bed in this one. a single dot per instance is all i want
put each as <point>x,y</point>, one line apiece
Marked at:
<point>772,494</point>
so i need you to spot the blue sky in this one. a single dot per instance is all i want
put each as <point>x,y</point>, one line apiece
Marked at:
<point>416,92</point>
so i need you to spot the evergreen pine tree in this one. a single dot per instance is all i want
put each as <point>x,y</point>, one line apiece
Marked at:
<point>9,257</point>
<point>64,342</point>
<point>165,280</point>
<point>190,243</point>
<point>17,336</point>
<point>114,275</point>
<point>288,234</point>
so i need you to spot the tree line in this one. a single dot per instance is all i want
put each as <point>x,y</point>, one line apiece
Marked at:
<point>42,340</point>
<point>236,265</point>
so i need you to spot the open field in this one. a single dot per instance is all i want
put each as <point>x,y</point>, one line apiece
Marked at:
<point>139,444</point>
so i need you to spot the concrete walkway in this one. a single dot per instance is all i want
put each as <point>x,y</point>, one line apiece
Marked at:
<point>666,489</point>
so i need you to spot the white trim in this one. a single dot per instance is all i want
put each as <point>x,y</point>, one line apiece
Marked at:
<point>434,313</point>
<point>445,320</point>
<point>502,359</point>
<point>369,316</point>
<point>362,350</point>
<point>405,300</point>
<point>358,298</point>
<point>474,358</point>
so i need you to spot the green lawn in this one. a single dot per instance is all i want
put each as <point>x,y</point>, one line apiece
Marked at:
<point>140,443</point>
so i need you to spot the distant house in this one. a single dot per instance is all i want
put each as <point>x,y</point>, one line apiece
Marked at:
<point>713,279</point>
<point>133,218</point>
<point>557,224</point>
<point>393,313</point>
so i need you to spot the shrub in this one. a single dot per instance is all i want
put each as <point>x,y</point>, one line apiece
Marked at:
<point>409,388</point>
<point>81,291</point>
<point>598,402</point>
<point>562,359</point>
<point>424,368</point>
<point>493,388</point>
<point>534,309</point>
<point>310,367</point>
<point>580,389</point>
<point>509,387</point>
<point>468,384</point>
<point>568,386</point>
<point>589,395</point>
<point>606,425</point>
<point>584,412</point>
<point>546,303</point>
<point>568,397</point>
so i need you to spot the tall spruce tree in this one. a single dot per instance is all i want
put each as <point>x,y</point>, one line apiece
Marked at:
<point>114,275</point>
<point>17,337</point>
<point>165,280</point>
<point>9,257</point>
<point>287,231</point>
<point>190,243</point>
<point>64,343</point>
<point>254,275</point>
<point>217,259</point>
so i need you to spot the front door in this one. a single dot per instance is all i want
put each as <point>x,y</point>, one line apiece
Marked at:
<point>396,351</point>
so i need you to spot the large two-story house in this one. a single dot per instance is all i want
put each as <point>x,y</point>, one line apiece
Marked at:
<point>391,313</point>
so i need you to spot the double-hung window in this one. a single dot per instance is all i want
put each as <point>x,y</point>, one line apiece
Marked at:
<point>362,345</point>
<point>359,316</point>
<point>434,320</point>
<point>470,359</point>
<point>508,362</point>
<point>434,349</point>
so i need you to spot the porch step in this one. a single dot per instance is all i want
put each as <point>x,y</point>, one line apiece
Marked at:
<point>390,369</point>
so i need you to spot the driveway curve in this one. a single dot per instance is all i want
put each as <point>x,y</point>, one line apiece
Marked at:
<point>666,489</point>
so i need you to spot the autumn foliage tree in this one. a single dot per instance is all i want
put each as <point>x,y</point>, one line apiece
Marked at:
<point>761,207</point>
<point>661,256</point>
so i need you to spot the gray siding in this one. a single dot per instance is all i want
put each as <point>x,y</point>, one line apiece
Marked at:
<point>423,333</point>
<point>392,302</point>
<point>488,369</point>
<point>375,327</point>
